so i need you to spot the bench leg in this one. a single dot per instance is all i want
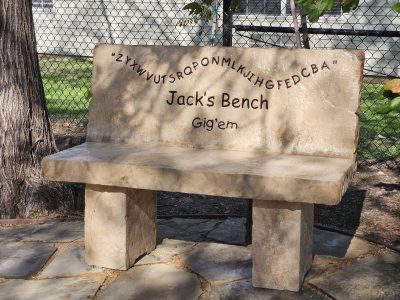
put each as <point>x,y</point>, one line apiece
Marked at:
<point>282,244</point>
<point>120,225</point>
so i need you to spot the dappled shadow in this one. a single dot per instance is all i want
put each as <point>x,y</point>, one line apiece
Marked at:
<point>388,186</point>
<point>288,152</point>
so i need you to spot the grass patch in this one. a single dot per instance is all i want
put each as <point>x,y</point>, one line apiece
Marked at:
<point>67,88</point>
<point>379,133</point>
<point>66,84</point>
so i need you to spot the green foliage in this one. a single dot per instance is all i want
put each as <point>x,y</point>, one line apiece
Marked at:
<point>396,7</point>
<point>379,133</point>
<point>391,93</point>
<point>203,10</point>
<point>198,11</point>
<point>314,9</point>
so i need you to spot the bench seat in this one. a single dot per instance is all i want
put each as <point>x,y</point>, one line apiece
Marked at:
<point>255,175</point>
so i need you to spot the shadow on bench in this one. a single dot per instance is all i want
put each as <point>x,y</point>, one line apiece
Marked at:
<point>188,119</point>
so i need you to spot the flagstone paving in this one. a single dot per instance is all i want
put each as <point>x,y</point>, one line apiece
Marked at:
<point>195,259</point>
<point>69,262</point>
<point>20,260</point>
<point>49,289</point>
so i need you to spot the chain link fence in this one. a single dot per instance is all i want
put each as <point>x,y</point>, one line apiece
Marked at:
<point>68,30</point>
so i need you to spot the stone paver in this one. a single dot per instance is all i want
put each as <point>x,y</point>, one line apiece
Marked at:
<point>166,251</point>
<point>71,261</point>
<point>13,234</point>
<point>51,289</point>
<point>217,262</point>
<point>19,260</point>
<point>375,277</point>
<point>231,231</point>
<point>322,264</point>
<point>343,267</point>
<point>55,232</point>
<point>159,281</point>
<point>243,290</point>
<point>185,229</point>
<point>340,245</point>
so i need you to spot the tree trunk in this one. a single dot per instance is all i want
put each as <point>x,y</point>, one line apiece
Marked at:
<point>295,23</point>
<point>25,133</point>
<point>304,29</point>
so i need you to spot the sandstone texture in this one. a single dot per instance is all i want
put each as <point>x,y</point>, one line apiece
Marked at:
<point>282,244</point>
<point>270,124</point>
<point>120,225</point>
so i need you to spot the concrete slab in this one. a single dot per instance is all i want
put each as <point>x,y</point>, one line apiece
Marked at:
<point>51,289</point>
<point>374,277</point>
<point>243,290</point>
<point>70,262</point>
<point>55,232</point>
<point>220,262</point>
<point>159,281</point>
<point>231,231</point>
<point>20,260</point>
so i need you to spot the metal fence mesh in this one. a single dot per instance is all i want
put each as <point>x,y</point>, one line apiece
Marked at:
<point>68,30</point>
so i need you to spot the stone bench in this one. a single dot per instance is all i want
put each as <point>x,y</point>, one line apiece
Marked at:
<point>277,126</point>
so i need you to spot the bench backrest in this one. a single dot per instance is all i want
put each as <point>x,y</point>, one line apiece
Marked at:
<point>274,100</point>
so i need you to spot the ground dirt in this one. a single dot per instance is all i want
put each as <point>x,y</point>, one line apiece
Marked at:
<point>370,208</point>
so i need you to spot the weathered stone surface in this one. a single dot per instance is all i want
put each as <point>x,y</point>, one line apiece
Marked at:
<point>19,260</point>
<point>331,248</point>
<point>329,243</point>
<point>257,175</point>
<point>149,142</point>
<point>54,232</point>
<point>185,229</point>
<point>15,233</point>
<point>375,277</point>
<point>282,244</point>
<point>220,262</point>
<point>120,225</point>
<point>243,290</point>
<point>166,251</point>
<point>159,281</point>
<point>71,261</point>
<point>322,264</point>
<point>294,121</point>
<point>50,289</point>
<point>165,232</point>
<point>231,230</point>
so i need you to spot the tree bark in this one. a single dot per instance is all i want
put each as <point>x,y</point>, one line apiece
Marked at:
<point>295,23</point>
<point>304,29</point>
<point>25,133</point>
